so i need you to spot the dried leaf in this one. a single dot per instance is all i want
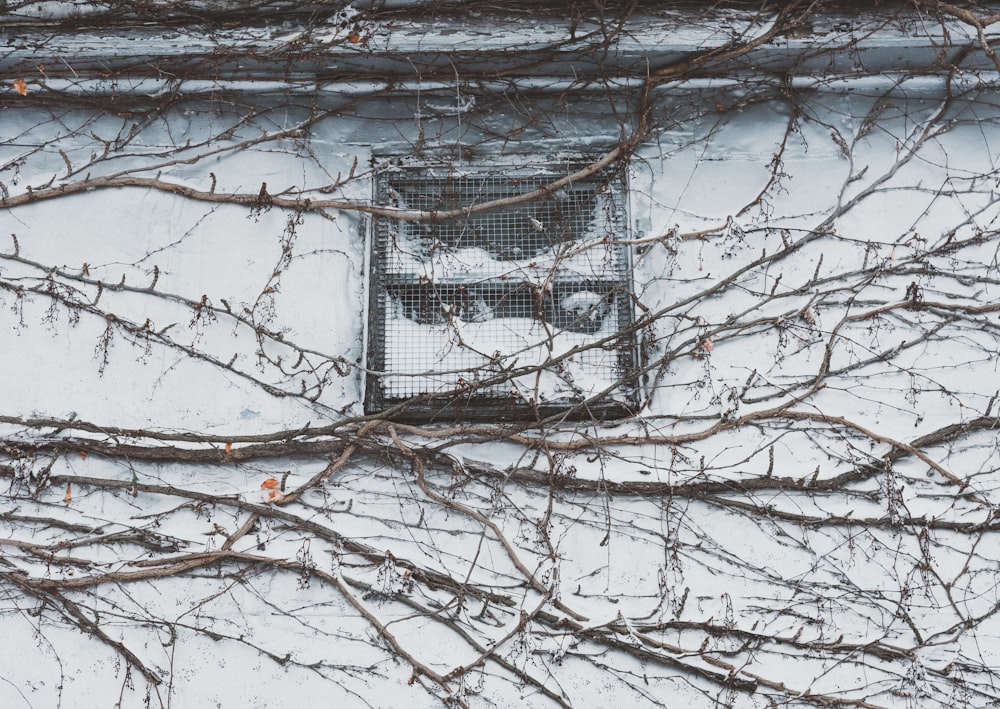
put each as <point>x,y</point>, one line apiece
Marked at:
<point>68,497</point>
<point>21,86</point>
<point>229,448</point>
<point>354,37</point>
<point>271,492</point>
<point>83,455</point>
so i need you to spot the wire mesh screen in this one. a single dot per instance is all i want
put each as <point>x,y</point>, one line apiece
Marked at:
<point>505,313</point>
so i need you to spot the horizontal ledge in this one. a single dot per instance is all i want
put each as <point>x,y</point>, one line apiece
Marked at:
<point>123,90</point>
<point>488,46</point>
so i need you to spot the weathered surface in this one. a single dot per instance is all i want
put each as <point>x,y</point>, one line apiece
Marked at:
<point>801,512</point>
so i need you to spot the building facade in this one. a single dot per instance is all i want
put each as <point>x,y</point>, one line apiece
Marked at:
<point>565,355</point>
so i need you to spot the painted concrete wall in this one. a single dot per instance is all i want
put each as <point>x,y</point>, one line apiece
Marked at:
<point>802,511</point>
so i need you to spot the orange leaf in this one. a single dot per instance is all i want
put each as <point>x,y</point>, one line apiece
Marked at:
<point>68,497</point>
<point>354,37</point>
<point>229,448</point>
<point>83,455</point>
<point>269,484</point>
<point>21,86</point>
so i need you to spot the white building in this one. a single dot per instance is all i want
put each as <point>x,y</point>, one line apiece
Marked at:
<point>441,354</point>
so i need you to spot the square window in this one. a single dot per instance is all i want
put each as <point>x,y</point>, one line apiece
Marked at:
<point>517,312</point>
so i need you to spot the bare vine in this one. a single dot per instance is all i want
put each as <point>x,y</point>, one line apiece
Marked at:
<point>807,478</point>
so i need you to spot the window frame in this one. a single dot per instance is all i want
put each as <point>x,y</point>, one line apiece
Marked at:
<point>479,400</point>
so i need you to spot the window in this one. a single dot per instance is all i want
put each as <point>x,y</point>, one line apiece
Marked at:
<point>516,312</point>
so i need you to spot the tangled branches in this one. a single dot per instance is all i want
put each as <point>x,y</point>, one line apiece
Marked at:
<point>798,510</point>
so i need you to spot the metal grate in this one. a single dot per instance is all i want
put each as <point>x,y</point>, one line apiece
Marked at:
<point>508,313</point>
